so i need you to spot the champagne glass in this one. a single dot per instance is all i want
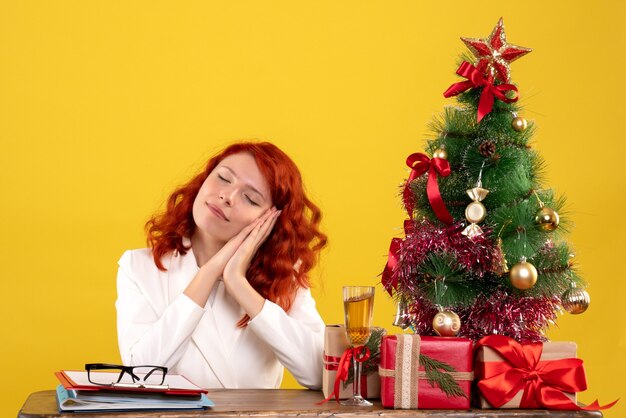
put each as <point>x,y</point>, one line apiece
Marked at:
<point>358,304</point>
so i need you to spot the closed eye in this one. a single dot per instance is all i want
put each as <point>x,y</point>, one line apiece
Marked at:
<point>223,179</point>
<point>252,202</point>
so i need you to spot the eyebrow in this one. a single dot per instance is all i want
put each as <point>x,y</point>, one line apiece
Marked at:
<point>248,184</point>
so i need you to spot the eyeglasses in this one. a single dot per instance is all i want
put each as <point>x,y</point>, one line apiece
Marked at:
<point>149,377</point>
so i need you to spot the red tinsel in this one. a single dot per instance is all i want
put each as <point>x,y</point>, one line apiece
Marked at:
<point>521,318</point>
<point>478,255</point>
<point>502,314</point>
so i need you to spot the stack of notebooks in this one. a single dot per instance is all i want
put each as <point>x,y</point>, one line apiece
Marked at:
<point>77,394</point>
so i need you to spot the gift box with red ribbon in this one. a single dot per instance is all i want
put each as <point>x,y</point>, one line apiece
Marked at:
<point>335,345</point>
<point>425,372</point>
<point>529,376</point>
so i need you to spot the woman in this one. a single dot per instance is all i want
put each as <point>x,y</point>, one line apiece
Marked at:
<point>222,294</point>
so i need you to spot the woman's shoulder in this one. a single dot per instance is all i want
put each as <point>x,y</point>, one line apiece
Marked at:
<point>143,257</point>
<point>137,259</point>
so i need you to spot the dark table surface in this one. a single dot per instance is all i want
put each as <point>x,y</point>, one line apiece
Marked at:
<point>300,403</point>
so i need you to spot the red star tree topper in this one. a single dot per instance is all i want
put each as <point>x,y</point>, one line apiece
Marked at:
<point>495,53</point>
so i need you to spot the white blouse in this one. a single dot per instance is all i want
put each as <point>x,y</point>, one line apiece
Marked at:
<point>159,325</point>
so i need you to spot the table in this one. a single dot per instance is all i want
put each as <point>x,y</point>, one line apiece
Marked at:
<point>282,403</point>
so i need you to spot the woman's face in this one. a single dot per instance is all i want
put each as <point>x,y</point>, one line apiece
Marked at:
<point>231,197</point>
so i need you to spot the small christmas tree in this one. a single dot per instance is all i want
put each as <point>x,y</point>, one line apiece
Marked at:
<point>483,251</point>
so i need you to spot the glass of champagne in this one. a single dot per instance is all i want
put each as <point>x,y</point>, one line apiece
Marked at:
<point>358,305</point>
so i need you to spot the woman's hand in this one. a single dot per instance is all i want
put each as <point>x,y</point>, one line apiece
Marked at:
<point>234,256</point>
<point>235,281</point>
<point>239,262</point>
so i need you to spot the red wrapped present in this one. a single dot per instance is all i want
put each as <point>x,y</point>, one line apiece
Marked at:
<point>335,344</point>
<point>425,372</point>
<point>529,376</point>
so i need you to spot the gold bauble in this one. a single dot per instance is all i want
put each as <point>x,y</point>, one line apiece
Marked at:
<point>519,124</point>
<point>547,219</point>
<point>447,324</point>
<point>523,275</point>
<point>575,301</point>
<point>440,153</point>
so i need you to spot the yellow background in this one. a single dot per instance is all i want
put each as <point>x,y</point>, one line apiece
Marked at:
<point>105,106</point>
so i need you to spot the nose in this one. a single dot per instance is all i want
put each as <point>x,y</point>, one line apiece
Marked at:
<point>226,197</point>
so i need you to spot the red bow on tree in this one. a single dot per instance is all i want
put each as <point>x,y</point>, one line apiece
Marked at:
<point>389,282</point>
<point>420,164</point>
<point>543,382</point>
<point>476,78</point>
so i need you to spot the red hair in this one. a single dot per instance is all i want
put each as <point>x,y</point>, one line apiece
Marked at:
<point>281,264</point>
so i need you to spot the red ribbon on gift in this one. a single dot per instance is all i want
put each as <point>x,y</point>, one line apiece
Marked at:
<point>360,354</point>
<point>476,78</point>
<point>331,362</point>
<point>420,164</point>
<point>543,382</point>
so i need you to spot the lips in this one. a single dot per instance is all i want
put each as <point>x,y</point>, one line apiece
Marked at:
<point>217,212</point>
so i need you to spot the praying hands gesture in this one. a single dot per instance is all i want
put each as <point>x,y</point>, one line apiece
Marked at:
<point>231,263</point>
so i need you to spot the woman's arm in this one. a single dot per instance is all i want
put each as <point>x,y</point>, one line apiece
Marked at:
<point>149,330</point>
<point>296,338</point>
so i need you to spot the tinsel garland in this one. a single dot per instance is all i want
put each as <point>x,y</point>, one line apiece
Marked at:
<point>501,312</point>
<point>521,318</point>
<point>479,256</point>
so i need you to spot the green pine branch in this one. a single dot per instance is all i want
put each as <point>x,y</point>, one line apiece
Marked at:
<point>437,373</point>
<point>445,282</point>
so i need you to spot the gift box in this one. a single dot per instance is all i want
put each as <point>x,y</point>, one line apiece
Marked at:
<point>425,372</point>
<point>527,376</point>
<point>335,343</point>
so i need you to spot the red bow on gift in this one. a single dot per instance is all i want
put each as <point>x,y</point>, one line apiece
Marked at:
<point>420,164</point>
<point>543,382</point>
<point>360,354</point>
<point>475,78</point>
